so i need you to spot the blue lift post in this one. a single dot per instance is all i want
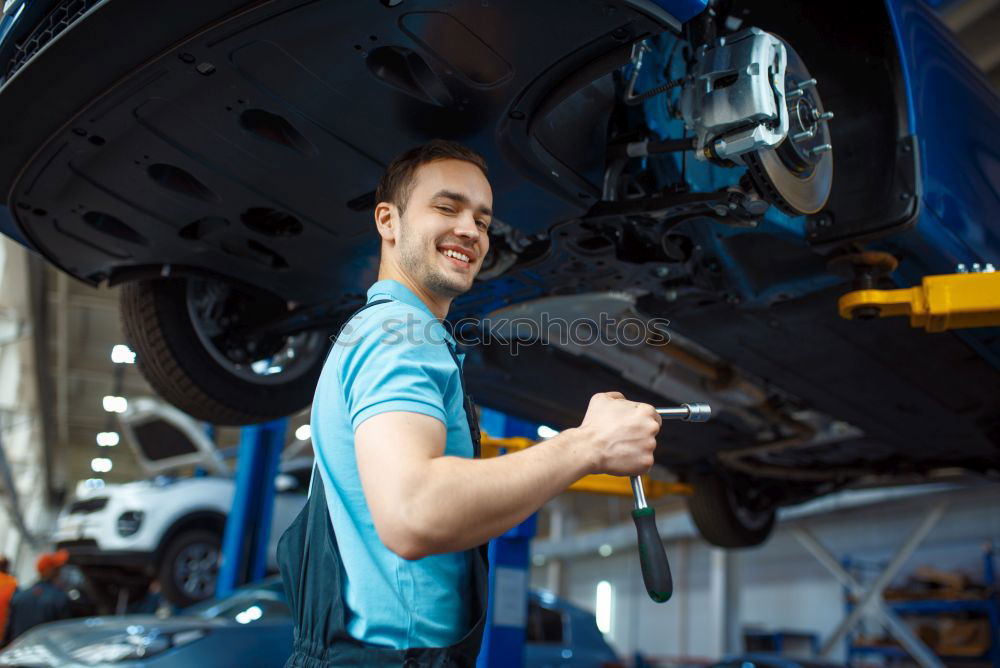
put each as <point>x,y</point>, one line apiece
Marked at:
<point>507,616</point>
<point>248,527</point>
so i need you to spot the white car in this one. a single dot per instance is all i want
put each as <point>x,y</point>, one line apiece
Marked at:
<point>169,528</point>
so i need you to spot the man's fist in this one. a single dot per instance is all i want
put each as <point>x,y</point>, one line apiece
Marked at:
<point>622,433</point>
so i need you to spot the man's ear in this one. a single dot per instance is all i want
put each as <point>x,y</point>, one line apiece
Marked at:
<point>387,220</point>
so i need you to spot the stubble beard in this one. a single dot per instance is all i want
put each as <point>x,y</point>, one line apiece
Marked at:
<point>413,261</point>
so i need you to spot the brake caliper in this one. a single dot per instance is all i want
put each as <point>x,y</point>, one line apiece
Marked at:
<point>735,100</point>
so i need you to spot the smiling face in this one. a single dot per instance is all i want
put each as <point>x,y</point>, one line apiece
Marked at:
<point>438,242</point>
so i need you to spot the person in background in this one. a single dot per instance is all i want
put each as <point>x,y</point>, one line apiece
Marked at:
<point>152,603</point>
<point>8,585</point>
<point>44,601</point>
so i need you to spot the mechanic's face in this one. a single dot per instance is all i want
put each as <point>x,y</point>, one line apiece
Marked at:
<point>441,238</point>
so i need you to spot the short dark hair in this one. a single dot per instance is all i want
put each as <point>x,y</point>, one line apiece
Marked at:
<point>396,184</point>
<point>4,564</point>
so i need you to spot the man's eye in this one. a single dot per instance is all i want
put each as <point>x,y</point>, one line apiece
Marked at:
<point>446,209</point>
<point>483,224</point>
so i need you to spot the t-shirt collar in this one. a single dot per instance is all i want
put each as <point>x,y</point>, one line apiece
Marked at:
<point>394,289</point>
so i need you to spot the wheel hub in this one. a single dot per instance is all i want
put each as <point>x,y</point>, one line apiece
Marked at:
<point>196,569</point>
<point>216,310</point>
<point>798,152</point>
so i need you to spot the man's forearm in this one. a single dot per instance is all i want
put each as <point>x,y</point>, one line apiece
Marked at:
<point>459,503</point>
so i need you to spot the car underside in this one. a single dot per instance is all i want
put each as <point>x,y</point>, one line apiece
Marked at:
<point>219,163</point>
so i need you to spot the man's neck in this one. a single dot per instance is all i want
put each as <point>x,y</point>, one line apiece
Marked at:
<point>438,305</point>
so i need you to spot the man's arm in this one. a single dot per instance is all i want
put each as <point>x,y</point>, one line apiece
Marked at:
<point>423,502</point>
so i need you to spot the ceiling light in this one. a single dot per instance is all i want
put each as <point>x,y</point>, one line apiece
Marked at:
<point>122,354</point>
<point>114,404</point>
<point>100,464</point>
<point>303,433</point>
<point>106,439</point>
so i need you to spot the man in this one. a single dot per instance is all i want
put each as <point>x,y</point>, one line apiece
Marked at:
<point>43,601</point>
<point>8,585</point>
<point>400,580</point>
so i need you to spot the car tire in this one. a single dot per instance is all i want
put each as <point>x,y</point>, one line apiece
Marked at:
<point>175,360</point>
<point>190,567</point>
<point>720,517</point>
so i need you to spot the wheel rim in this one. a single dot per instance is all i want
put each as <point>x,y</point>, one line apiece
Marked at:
<point>196,569</point>
<point>296,356</point>
<point>751,519</point>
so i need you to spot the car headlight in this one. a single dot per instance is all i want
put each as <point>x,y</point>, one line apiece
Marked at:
<point>29,655</point>
<point>136,644</point>
<point>129,523</point>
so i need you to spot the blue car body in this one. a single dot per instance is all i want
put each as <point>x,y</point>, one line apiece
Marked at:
<point>253,627</point>
<point>950,106</point>
<point>562,634</point>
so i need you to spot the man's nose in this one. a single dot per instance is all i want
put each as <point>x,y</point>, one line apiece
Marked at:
<point>466,227</point>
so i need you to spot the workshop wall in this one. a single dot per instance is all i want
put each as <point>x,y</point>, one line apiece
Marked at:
<point>20,423</point>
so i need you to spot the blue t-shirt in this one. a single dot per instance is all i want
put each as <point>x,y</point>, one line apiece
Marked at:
<point>390,357</point>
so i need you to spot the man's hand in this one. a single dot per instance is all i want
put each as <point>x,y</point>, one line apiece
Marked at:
<point>622,434</point>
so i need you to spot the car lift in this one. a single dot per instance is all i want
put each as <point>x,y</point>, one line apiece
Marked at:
<point>868,600</point>
<point>507,615</point>
<point>598,483</point>
<point>943,302</point>
<point>248,526</point>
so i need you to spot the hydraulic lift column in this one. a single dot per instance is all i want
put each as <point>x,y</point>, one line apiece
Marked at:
<point>248,527</point>
<point>507,616</point>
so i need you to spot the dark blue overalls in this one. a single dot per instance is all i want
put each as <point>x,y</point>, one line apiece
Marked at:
<point>311,570</point>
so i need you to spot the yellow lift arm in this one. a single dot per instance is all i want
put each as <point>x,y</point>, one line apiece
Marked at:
<point>597,484</point>
<point>940,303</point>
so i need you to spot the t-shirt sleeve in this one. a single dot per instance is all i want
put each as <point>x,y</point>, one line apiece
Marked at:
<point>382,370</point>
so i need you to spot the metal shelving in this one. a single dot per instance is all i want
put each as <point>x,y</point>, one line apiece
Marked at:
<point>988,607</point>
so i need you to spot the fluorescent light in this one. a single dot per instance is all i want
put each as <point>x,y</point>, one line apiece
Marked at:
<point>114,404</point>
<point>545,431</point>
<point>106,439</point>
<point>605,550</point>
<point>122,354</point>
<point>303,433</point>
<point>100,464</point>
<point>603,606</point>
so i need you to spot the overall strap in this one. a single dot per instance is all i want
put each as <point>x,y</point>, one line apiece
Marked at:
<point>351,317</point>
<point>470,407</point>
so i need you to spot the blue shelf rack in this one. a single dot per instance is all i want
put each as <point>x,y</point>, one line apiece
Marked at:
<point>988,607</point>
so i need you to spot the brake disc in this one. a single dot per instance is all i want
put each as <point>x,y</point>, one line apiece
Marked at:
<point>797,175</point>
